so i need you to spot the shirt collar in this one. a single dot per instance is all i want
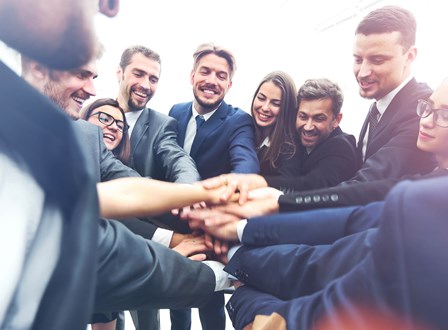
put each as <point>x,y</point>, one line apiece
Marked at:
<point>10,57</point>
<point>206,116</point>
<point>384,102</point>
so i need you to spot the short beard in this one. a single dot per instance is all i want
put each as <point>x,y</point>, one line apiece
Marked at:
<point>50,91</point>
<point>207,107</point>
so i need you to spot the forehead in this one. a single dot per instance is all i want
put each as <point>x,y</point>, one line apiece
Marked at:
<point>143,63</point>
<point>440,95</point>
<point>377,44</point>
<point>114,112</point>
<point>214,62</point>
<point>270,88</point>
<point>316,107</point>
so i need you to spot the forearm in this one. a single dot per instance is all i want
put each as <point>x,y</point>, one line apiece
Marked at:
<point>129,197</point>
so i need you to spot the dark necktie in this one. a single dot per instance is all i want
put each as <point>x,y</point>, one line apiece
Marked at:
<point>199,121</point>
<point>374,116</point>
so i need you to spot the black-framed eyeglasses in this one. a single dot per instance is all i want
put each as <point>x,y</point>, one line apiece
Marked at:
<point>439,116</point>
<point>106,119</point>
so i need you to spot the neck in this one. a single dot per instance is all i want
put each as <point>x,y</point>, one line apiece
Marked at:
<point>442,161</point>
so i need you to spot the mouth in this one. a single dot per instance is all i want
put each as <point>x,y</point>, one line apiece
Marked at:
<point>109,137</point>
<point>425,135</point>
<point>141,94</point>
<point>263,116</point>
<point>209,91</point>
<point>79,100</point>
<point>366,84</point>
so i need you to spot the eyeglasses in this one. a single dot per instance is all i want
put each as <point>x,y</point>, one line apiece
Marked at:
<point>440,116</point>
<point>106,119</point>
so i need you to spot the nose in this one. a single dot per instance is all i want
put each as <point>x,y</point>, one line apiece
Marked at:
<point>265,106</point>
<point>428,122</point>
<point>364,69</point>
<point>211,78</point>
<point>309,125</point>
<point>89,87</point>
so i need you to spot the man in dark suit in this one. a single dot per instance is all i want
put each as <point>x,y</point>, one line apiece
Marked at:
<point>219,137</point>
<point>54,179</point>
<point>384,49</point>
<point>325,155</point>
<point>356,277</point>
<point>224,142</point>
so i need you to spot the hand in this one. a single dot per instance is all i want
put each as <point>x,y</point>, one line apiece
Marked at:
<point>185,210</point>
<point>233,182</point>
<point>226,232</point>
<point>191,245</point>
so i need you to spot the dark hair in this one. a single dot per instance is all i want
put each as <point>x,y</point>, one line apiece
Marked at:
<point>123,149</point>
<point>210,48</point>
<point>390,19</point>
<point>281,136</point>
<point>316,89</point>
<point>127,54</point>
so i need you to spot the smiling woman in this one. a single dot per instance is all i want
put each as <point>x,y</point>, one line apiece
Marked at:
<point>108,115</point>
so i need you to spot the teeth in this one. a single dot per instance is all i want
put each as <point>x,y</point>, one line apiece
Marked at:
<point>208,91</point>
<point>109,136</point>
<point>263,116</point>
<point>140,94</point>
<point>78,100</point>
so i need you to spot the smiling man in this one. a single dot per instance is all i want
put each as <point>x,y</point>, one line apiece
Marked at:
<point>219,137</point>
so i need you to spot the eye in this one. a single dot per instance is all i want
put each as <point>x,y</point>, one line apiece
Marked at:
<point>320,118</point>
<point>302,116</point>
<point>154,80</point>
<point>222,75</point>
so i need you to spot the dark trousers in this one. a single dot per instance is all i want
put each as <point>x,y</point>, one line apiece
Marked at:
<point>146,320</point>
<point>212,315</point>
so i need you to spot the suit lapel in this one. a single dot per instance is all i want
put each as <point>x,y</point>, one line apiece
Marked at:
<point>208,127</point>
<point>138,132</point>
<point>182,123</point>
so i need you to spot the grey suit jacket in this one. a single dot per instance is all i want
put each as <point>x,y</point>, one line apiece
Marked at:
<point>155,152</point>
<point>106,166</point>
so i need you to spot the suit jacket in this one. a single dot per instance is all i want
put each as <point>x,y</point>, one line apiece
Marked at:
<point>400,272</point>
<point>358,193</point>
<point>332,161</point>
<point>392,151</point>
<point>45,140</point>
<point>155,152</point>
<point>223,144</point>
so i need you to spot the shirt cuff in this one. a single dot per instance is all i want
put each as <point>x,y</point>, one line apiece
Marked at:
<point>221,277</point>
<point>163,236</point>
<point>240,229</point>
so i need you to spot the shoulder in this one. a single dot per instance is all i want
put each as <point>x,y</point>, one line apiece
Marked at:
<point>235,113</point>
<point>340,138</point>
<point>180,107</point>
<point>157,117</point>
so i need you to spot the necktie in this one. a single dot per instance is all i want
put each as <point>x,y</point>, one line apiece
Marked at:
<point>374,116</point>
<point>199,121</point>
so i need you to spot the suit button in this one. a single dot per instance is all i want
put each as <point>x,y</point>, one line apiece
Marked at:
<point>299,200</point>
<point>307,199</point>
<point>316,198</point>
<point>325,198</point>
<point>334,197</point>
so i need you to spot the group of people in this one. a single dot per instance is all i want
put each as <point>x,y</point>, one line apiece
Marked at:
<point>104,208</point>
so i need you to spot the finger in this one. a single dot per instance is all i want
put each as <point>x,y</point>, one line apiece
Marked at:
<point>208,241</point>
<point>198,257</point>
<point>244,191</point>
<point>217,247</point>
<point>212,183</point>
<point>175,211</point>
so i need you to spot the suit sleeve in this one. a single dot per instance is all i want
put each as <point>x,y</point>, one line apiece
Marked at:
<point>310,227</point>
<point>177,164</point>
<point>243,157</point>
<point>110,166</point>
<point>401,275</point>
<point>332,162</point>
<point>359,193</point>
<point>134,273</point>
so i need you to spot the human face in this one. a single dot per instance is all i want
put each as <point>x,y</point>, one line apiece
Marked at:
<point>70,89</point>
<point>58,34</point>
<point>111,134</point>
<point>210,81</point>
<point>315,121</point>
<point>380,63</point>
<point>433,138</point>
<point>266,105</point>
<point>138,82</point>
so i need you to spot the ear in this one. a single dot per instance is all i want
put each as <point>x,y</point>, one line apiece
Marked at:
<point>38,70</point>
<point>412,54</point>
<point>192,76</point>
<point>230,85</point>
<point>119,74</point>
<point>337,120</point>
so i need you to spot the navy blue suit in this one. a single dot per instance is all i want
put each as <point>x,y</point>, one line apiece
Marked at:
<point>398,268</point>
<point>225,142</point>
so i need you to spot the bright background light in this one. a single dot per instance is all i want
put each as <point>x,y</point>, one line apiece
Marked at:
<point>310,39</point>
